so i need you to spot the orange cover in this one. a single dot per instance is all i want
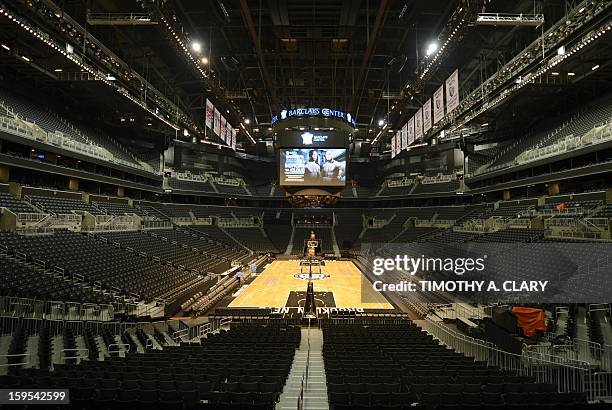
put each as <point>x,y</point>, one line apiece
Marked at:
<point>530,320</point>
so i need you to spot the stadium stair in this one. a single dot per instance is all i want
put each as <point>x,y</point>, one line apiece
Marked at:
<point>315,395</point>
<point>32,351</point>
<point>227,232</point>
<point>290,245</point>
<point>335,246</point>
<point>5,342</point>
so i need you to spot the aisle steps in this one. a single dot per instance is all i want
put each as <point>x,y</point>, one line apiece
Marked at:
<point>315,394</point>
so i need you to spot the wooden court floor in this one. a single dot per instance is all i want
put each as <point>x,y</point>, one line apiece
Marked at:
<point>272,287</point>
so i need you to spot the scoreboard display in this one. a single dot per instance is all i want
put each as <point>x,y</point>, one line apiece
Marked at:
<point>312,166</point>
<point>312,138</point>
<point>312,158</point>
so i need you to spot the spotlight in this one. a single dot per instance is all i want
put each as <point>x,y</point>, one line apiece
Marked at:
<point>204,60</point>
<point>247,121</point>
<point>381,122</point>
<point>431,48</point>
<point>196,46</point>
<point>595,67</point>
<point>571,74</point>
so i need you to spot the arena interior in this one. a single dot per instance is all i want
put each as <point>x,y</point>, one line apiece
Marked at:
<point>205,204</point>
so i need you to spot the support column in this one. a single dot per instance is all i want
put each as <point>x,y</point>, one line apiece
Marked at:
<point>120,191</point>
<point>4,174</point>
<point>506,195</point>
<point>553,188</point>
<point>73,184</point>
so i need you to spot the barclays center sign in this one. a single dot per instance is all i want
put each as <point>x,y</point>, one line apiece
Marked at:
<point>314,112</point>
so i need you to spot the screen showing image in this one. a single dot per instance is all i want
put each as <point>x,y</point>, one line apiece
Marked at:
<point>308,166</point>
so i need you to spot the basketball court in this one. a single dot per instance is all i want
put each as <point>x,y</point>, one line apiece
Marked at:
<point>283,284</point>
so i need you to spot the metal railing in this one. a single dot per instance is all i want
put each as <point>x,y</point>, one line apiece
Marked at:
<point>456,311</point>
<point>304,382</point>
<point>119,348</point>
<point>601,386</point>
<point>564,352</point>
<point>25,362</point>
<point>54,310</point>
<point>30,130</point>
<point>70,354</point>
<point>568,376</point>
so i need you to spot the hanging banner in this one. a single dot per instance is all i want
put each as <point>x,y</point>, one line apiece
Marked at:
<point>418,125</point>
<point>452,91</point>
<point>234,133</point>
<point>209,113</point>
<point>427,116</point>
<point>398,142</point>
<point>222,130</point>
<point>393,142</point>
<point>225,132</point>
<point>410,130</point>
<point>217,124</point>
<point>438,109</point>
<point>404,136</point>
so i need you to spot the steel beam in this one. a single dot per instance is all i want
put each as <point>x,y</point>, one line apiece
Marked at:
<point>506,19</point>
<point>382,10</point>
<point>120,19</point>
<point>248,20</point>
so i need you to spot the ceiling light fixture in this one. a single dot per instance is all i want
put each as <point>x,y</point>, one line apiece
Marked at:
<point>431,48</point>
<point>196,46</point>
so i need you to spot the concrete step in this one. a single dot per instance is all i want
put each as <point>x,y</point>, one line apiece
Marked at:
<point>80,344</point>
<point>315,394</point>
<point>57,345</point>
<point>101,347</point>
<point>32,351</point>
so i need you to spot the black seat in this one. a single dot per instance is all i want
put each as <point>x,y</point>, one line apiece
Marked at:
<point>360,399</point>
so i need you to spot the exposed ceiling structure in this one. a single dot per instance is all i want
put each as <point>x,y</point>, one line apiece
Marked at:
<point>258,56</point>
<point>350,55</point>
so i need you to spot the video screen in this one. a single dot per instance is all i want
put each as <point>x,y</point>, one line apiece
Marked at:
<point>311,167</point>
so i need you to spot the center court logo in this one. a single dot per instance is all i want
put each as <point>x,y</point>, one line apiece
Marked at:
<point>307,138</point>
<point>314,276</point>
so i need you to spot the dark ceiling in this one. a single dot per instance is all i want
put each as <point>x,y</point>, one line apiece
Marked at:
<point>346,54</point>
<point>352,55</point>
